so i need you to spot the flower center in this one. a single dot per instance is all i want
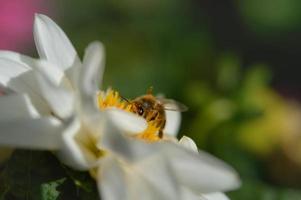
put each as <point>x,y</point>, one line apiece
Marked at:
<point>111,98</point>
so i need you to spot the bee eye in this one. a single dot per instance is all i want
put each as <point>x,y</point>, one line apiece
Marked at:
<point>140,111</point>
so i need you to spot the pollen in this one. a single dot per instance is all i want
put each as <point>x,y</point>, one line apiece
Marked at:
<point>150,134</point>
<point>112,99</point>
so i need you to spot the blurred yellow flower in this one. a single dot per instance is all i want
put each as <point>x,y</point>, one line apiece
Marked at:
<point>265,133</point>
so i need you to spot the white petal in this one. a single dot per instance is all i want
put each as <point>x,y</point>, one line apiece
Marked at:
<point>127,122</point>
<point>42,133</point>
<point>124,146</point>
<point>10,70</point>
<point>117,180</point>
<point>201,172</point>
<point>111,180</point>
<point>19,58</point>
<point>16,106</point>
<point>93,68</point>
<point>53,72</point>
<point>20,78</point>
<point>141,188</point>
<point>189,195</point>
<point>148,175</point>
<point>156,170</point>
<point>188,143</point>
<point>88,78</point>
<point>50,71</point>
<point>52,43</point>
<point>214,196</point>
<point>60,100</point>
<point>173,122</point>
<point>70,152</point>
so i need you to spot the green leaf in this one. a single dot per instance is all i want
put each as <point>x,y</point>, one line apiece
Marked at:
<point>49,190</point>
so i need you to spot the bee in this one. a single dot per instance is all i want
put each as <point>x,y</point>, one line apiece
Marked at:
<point>152,108</point>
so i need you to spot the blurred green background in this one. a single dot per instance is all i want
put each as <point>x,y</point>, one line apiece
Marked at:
<point>235,65</point>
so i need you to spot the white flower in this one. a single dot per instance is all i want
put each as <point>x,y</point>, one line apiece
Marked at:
<point>54,107</point>
<point>189,144</point>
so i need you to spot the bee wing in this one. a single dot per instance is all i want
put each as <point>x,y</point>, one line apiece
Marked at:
<point>172,105</point>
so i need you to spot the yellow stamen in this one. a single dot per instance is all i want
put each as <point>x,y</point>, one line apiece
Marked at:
<point>111,98</point>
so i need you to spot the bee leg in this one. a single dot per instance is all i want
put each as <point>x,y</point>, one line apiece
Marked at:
<point>160,134</point>
<point>162,125</point>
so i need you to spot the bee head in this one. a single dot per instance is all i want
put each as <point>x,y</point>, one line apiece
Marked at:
<point>143,105</point>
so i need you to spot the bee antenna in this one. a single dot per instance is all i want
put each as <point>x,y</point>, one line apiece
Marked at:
<point>125,99</point>
<point>150,90</point>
